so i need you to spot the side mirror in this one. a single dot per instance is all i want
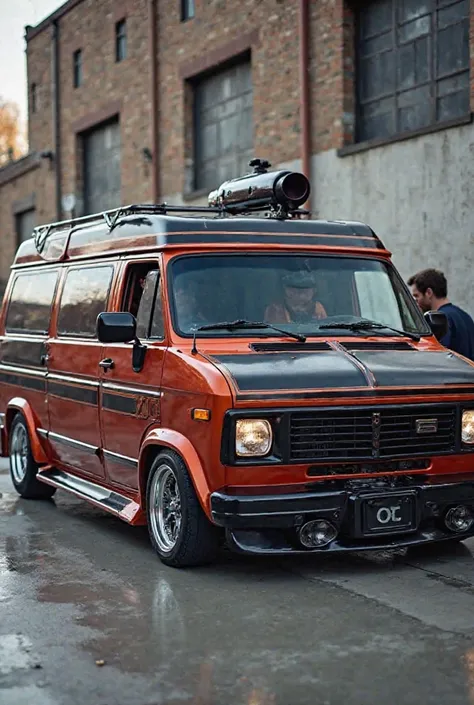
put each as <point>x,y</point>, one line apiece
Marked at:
<point>116,327</point>
<point>438,323</point>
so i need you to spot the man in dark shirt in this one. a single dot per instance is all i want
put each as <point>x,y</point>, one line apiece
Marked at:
<point>430,291</point>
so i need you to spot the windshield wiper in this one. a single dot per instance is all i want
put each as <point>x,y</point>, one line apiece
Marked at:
<point>250,325</point>
<point>370,325</point>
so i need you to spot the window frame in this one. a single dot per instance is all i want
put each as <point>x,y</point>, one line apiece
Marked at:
<point>27,331</point>
<point>121,40</point>
<point>431,83</point>
<point>75,268</point>
<point>125,292</point>
<point>77,68</point>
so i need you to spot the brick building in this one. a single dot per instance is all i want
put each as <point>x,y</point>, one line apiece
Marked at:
<point>141,100</point>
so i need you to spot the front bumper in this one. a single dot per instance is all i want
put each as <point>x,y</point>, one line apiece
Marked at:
<point>269,524</point>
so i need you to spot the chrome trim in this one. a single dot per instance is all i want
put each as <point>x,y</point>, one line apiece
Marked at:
<point>118,458</point>
<point>111,500</point>
<point>16,369</point>
<point>54,377</point>
<point>110,386</point>
<point>65,440</point>
<point>42,432</point>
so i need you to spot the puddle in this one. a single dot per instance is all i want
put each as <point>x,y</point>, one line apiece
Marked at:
<point>14,654</point>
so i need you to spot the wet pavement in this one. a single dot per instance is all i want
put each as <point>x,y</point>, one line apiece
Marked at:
<point>79,587</point>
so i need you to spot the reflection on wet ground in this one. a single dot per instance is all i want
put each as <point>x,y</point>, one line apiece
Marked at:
<point>78,587</point>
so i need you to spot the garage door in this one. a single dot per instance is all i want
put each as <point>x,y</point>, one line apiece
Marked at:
<point>102,168</point>
<point>223,126</point>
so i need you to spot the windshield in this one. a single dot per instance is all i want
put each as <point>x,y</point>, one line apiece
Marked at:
<point>301,293</point>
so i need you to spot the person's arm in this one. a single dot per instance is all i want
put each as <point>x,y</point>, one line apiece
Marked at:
<point>447,339</point>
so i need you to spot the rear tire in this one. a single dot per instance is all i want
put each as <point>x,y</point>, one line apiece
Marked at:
<point>180,532</point>
<point>23,467</point>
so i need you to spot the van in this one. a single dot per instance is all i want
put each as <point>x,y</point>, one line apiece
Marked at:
<point>236,371</point>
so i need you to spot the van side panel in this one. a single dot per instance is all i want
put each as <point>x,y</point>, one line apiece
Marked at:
<point>24,329</point>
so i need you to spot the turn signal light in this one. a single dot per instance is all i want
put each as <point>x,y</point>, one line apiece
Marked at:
<point>201,415</point>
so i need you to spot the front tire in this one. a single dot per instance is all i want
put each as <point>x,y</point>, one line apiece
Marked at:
<point>23,467</point>
<point>180,532</point>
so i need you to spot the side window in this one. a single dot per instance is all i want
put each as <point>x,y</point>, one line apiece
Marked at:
<point>84,296</point>
<point>31,299</point>
<point>143,299</point>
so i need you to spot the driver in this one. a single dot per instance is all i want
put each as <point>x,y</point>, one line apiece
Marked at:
<point>299,305</point>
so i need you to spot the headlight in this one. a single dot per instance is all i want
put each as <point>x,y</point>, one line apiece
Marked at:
<point>253,437</point>
<point>467,427</point>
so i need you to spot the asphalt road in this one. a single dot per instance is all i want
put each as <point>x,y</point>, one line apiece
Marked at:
<point>78,587</point>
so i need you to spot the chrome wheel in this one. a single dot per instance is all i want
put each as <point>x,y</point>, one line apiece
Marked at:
<point>165,509</point>
<point>19,453</point>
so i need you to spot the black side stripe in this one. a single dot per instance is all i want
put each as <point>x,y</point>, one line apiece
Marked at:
<point>72,443</point>
<point>19,380</point>
<point>120,459</point>
<point>68,391</point>
<point>116,402</point>
<point>233,238</point>
<point>356,394</point>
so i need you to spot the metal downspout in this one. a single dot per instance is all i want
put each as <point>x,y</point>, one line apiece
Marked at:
<point>155,164</point>
<point>56,114</point>
<point>304,92</point>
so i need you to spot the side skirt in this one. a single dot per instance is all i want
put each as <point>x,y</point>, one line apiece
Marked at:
<point>109,500</point>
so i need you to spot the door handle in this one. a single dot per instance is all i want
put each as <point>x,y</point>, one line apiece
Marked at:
<point>44,359</point>
<point>107,364</point>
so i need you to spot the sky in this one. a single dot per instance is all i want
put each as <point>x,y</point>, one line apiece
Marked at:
<point>14,15</point>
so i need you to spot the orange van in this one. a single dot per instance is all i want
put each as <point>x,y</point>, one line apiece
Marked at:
<point>214,373</point>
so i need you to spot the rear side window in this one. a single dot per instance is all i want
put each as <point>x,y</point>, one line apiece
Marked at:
<point>84,296</point>
<point>31,299</point>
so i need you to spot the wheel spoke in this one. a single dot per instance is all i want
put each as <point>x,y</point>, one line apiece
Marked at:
<point>165,500</point>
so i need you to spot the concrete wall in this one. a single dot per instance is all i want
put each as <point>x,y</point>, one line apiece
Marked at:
<point>418,195</point>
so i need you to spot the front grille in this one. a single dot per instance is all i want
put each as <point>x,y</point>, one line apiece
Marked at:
<point>371,433</point>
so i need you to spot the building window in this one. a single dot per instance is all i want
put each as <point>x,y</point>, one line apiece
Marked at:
<point>77,68</point>
<point>413,65</point>
<point>34,98</point>
<point>223,126</point>
<point>187,10</point>
<point>25,222</point>
<point>121,40</point>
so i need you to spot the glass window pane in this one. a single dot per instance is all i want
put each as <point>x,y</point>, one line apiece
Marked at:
<point>84,296</point>
<point>29,310</point>
<point>411,9</point>
<point>417,28</point>
<point>453,13</point>
<point>375,18</point>
<point>377,120</point>
<point>453,49</point>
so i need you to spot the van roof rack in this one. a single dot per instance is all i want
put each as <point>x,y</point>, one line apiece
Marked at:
<point>279,194</point>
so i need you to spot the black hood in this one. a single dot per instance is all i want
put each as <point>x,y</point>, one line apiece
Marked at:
<point>336,372</point>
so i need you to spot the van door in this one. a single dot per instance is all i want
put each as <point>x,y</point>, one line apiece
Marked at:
<point>73,358</point>
<point>130,401</point>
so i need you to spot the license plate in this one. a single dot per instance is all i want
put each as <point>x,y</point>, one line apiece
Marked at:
<point>389,514</point>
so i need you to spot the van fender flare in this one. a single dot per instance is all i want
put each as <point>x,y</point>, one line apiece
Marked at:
<point>20,404</point>
<point>167,438</point>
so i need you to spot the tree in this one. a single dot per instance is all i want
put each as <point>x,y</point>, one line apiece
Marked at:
<point>12,144</point>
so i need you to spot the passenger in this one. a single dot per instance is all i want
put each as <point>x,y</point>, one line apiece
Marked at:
<point>298,304</point>
<point>187,308</point>
<point>430,291</point>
